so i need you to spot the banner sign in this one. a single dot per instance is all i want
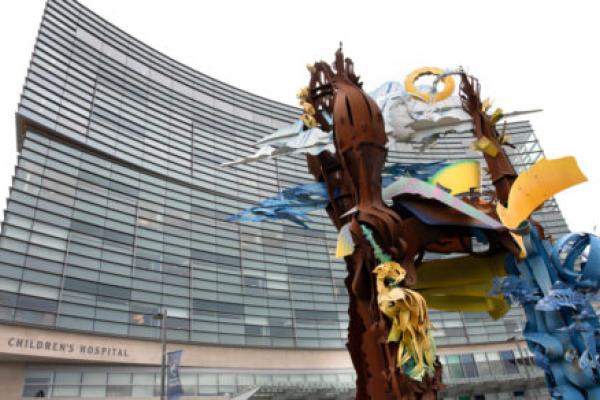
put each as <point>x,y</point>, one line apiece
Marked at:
<point>174,389</point>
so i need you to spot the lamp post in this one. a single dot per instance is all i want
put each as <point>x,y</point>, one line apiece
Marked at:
<point>162,316</point>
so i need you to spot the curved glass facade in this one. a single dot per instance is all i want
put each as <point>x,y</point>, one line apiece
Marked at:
<point>118,206</point>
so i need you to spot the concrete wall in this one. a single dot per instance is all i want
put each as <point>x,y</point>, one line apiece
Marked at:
<point>11,380</point>
<point>43,345</point>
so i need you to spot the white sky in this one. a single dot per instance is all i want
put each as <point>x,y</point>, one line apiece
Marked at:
<point>527,54</point>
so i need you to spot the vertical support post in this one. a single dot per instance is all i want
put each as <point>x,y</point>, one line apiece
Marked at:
<point>163,339</point>
<point>523,356</point>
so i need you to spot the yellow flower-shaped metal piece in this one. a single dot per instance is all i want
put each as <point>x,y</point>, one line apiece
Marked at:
<point>389,273</point>
<point>407,310</point>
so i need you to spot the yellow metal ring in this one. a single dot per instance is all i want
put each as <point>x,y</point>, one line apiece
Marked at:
<point>409,85</point>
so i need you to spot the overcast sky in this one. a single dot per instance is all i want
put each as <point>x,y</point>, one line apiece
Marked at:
<point>527,54</point>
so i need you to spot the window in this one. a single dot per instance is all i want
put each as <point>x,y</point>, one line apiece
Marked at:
<point>143,379</point>
<point>118,236</point>
<point>509,362</point>
<point>39,290</point>
<point>253,330</point>
<point>67,378</point>
<point>178,323</point>
<point>110,327</point>
<point>37,383</point>
<point>284,332</point>
<point>8,299</point>
<point>208,383</point>
<point>189,383</point>
<point>118,391</point>
<point>93,391</point>
<point>44,265</point>
<point>114,291</point>
<point>88,229</point>
<point>468,364</point>
<point>80,285</point>
<point>205,305</point>
<point>230,308</point>
<point>36,303</point>
<point>482,365</point>
<point>496,365</point>
<point>119,378</point>
<point>454,368</point>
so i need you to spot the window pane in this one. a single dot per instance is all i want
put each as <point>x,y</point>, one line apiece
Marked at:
<point>67,378</point>
<point>65,391</point>
<point>207,379</point>
<point>94,378</point>
<point>143,379</point>
<point>468,364</point>
<point>509,362</point>
<point>36,391</point>
<point>118,391</point>
<point>119,378</point>
<point>143,391</point>
<point>482,365</point>
<point>8,284</point>
<point>93,391</point>
<point>35,317</point>
<point>36,303</point>
<point>39,290</point>
<point>454,367</point>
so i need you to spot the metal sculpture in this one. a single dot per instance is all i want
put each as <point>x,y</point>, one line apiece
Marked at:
<point>389,218</point>
<point>394,358</point>
<point>561,325</point>
<point>353,179</point>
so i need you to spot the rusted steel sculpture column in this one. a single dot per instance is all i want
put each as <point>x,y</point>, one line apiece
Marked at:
<point>502,172</point>
<point>353,180</point>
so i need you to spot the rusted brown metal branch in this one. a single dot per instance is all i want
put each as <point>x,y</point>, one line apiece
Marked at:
<point>353,180</point>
